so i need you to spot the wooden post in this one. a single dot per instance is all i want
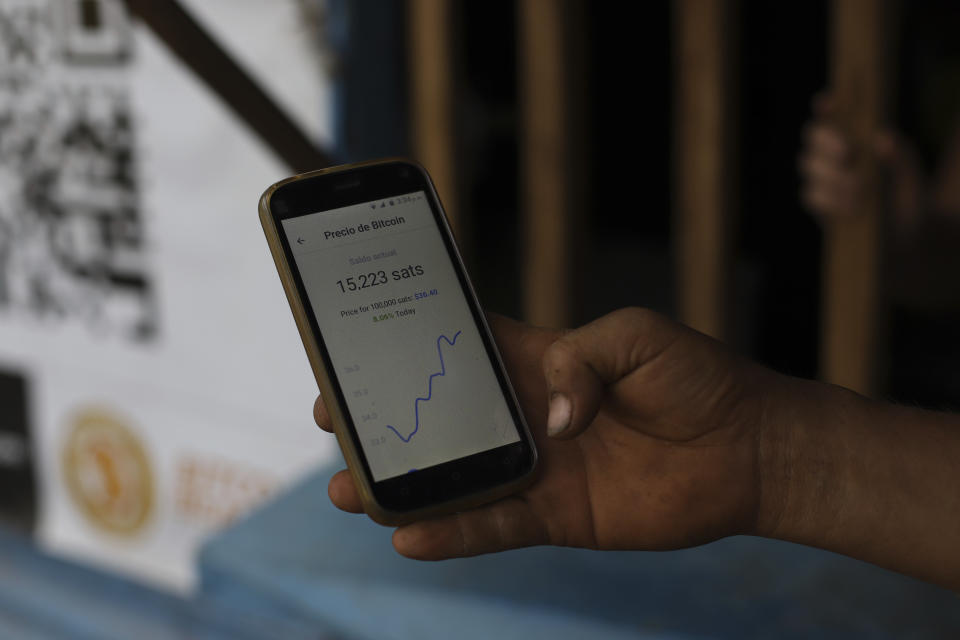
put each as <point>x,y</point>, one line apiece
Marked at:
<point>853,245</point>
<point>432,98</point>
<point>703,154</point>
<point>545,156</point>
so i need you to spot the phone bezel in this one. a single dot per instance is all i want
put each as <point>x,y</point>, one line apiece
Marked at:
<point>446,482</point>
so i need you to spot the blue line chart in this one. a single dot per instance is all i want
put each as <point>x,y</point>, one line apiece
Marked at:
<point>441,373</point>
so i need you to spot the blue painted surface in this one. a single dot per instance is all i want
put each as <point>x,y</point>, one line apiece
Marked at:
<point>301,569</point>
<point>302,556</point>
<point>47,598</point>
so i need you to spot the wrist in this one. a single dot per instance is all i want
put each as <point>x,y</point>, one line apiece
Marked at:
<point>861,478</point>
<point>803,478</point>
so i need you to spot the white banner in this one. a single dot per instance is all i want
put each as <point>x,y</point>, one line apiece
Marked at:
<point>169,390</point>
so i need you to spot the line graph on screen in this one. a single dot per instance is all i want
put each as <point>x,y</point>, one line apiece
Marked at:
<point>439,374</point>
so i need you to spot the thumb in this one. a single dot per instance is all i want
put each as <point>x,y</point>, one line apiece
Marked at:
<point>573,386</point>
<point>579,365</point>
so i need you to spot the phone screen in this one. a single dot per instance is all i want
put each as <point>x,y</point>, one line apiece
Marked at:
<point>413,368</point>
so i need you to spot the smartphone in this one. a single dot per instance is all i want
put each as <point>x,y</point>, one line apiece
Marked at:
<point>421,404</point>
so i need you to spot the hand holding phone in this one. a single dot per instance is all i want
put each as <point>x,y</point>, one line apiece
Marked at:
<point>661,449</point>
<point>422,408</point>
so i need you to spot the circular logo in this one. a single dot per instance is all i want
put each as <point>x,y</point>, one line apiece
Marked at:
<point>108,473</point>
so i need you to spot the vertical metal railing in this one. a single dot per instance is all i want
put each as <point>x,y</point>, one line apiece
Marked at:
<point>853,245</point>
<point>704,160</point>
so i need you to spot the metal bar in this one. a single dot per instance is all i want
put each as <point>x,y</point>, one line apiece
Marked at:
<point>544,162</point>
<point>703,155</point>
<point>432,95</point>
<point>853,245</point>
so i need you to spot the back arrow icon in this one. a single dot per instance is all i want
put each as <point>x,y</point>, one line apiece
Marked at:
<point>299,240</point>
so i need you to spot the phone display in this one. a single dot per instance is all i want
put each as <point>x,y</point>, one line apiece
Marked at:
<point>401,337</point>
<point>420,401</point>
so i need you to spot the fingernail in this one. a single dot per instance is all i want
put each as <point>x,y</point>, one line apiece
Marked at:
<point>561,411</point>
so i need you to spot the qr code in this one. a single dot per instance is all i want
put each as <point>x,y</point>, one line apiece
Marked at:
<point>73,245</point>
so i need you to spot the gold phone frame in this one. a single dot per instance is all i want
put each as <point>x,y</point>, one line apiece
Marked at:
<point>353,458</point>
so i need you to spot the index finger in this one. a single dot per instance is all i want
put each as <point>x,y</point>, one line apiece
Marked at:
<point>502,525</point>
<point>521,345</point>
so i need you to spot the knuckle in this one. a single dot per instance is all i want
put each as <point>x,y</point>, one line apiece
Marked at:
<point>639,317</point>
<point>633,314</point>
<point>559,354</point>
